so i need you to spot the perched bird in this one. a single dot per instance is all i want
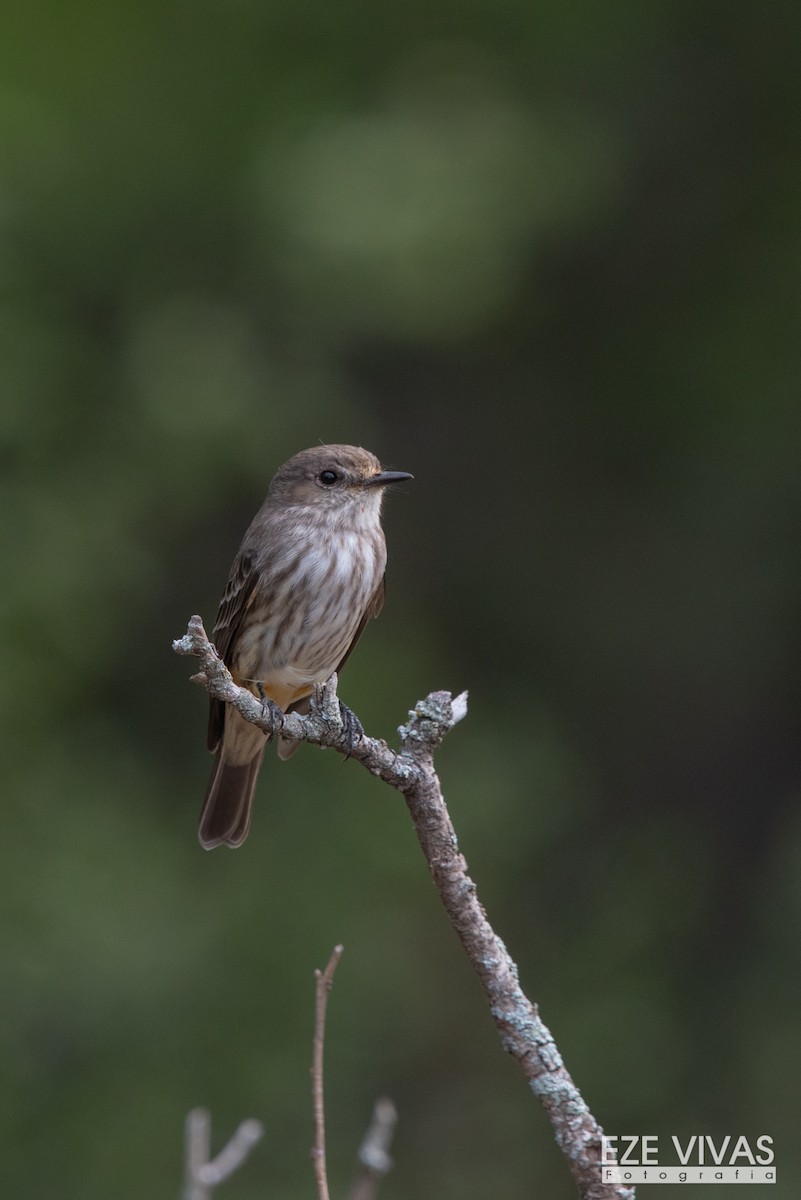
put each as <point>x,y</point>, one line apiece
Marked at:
<point>308,577</point>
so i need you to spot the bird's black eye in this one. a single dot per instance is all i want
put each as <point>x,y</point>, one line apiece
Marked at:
<point>328,477</point>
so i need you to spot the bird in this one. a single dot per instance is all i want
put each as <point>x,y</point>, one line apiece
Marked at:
<point>307,578</point>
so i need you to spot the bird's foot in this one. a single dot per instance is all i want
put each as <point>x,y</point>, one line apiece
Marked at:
<point>324,700</point>
<point>352,726</point>
<point>270,710</point>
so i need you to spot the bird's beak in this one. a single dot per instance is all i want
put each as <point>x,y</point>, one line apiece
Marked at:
<point>386,477</point>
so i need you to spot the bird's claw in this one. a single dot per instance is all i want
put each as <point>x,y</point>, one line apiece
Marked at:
<point>354,730</point>
<point>270,710</point>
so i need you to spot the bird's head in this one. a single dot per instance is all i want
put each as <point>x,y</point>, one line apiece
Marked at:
<point>333,479</point>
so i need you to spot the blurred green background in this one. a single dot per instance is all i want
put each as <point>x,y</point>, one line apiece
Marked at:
<point>548,258</point>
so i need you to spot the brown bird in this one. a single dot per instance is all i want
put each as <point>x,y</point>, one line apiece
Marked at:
<point>308,577</point>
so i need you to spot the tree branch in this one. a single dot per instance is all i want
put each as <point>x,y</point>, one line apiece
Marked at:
<point>202,1175</point>
<point>411,770</point>
<point>323,979</point>
<point>374,1151</point>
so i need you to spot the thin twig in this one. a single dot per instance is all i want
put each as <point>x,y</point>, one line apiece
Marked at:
<point>233,1154</point>
<point>411,770</point>
<point>323,979</point>
<point>197,1140</point>
<point>374,1150</point>
<point>203,1175</point>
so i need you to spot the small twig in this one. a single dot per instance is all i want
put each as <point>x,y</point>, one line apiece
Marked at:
<point>374,1150</point>
<point>411,770</point>
<point>203,1175</point>
<point>324,979</point>
<point>233,1154</point>
<point>197,1140</point>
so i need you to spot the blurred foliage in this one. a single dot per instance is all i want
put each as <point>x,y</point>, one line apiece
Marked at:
<point>547,257</point>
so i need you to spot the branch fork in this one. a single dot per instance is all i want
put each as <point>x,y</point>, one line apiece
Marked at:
<point>203,1173</point>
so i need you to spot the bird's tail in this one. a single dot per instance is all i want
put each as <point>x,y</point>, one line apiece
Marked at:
<point>225,817</point>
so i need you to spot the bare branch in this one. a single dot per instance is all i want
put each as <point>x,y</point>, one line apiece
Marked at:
<point>324,979</point>
<point>411,770</point>
<point>322,727</point>
<point>202,1175</point>
<point>197,1140</point>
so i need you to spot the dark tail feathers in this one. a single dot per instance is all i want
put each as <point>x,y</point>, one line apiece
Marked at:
<point>225,817</point>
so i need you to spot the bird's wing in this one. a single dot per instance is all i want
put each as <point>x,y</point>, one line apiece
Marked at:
<point>239,594</point>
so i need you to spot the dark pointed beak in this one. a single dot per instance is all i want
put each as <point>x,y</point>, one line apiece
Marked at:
<point>387,477</point>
